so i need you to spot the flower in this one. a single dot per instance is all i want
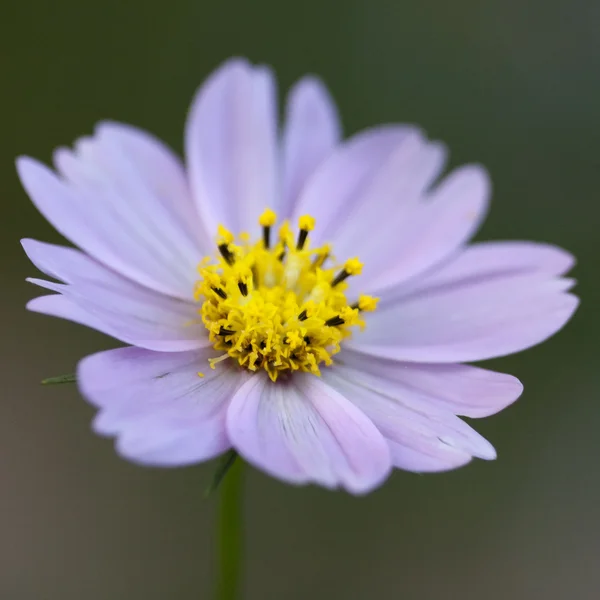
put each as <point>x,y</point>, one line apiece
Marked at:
<point>304,300</point>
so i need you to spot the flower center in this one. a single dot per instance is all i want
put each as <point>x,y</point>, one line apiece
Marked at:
<point>274,305</point>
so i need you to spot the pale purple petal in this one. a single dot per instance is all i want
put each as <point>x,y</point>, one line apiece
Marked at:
<point>427,456</point>
<point>468,320</point>
<point>68,264</point>
<point>388,202</point>
<point>113,203</point>
<point>302,430</point>
<point>56,305</point>
<point>487,261</point>
<point>444,221</point>
<point>338,186</point>
<point>104,300</point>
<point>231,146</point>
<point>406,416</point>
<point>311,131</point>
<point>459,389</point>
<point>156,404</point>
<point>163,174</point>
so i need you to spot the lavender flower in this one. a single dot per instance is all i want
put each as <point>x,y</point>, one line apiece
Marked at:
<point>251,322</point>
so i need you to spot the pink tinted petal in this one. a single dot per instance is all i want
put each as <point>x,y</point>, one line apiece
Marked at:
<point>444,222</point>
<point>489,260</point>
<point>459,389</point>
<point>231,146</point>
<point>389,201</point>
<point>469,321</point>
<point>311,132</point>
<point>107,187</point>
<point>338,185</point>
<point>161,411</point>
<point>405,416</point>
<point>113,304</point>
<point>302,430</point>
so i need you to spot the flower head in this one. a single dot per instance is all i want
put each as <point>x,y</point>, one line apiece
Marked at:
<point>305,300</point>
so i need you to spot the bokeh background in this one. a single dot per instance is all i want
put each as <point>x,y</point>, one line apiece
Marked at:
<point>514,84</point>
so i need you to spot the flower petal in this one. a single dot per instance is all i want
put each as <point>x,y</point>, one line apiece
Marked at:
<point>104,300</point>
<point>231,146</point>
<point>338,185</point>
<point>56,305</point>
<point>427,456</point>
<point>302,430</point>
<point>410,421</point>
<point>446,220</point>
<point>112,183</point>
<point>468,320</point>
<point>389,201</point>
<point>156,404</point>
<point>458,389</point>
<point>487,261</point>
<point>312,130</point>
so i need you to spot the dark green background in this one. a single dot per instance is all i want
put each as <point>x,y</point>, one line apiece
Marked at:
<point>513,84</point>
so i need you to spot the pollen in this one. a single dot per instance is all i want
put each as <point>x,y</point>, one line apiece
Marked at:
<point>277,304</point>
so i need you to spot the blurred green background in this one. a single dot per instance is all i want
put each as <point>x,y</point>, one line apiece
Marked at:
<point>514,84</point>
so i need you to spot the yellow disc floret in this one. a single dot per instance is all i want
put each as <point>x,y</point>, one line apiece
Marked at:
<point>277,308</point>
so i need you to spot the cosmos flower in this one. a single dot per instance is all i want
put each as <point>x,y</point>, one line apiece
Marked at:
<point>303,299</point>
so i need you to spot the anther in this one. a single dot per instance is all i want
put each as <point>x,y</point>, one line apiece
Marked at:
<point>302,316</point>
<point>243,288</point>
<point>306,339</point>
<point>219,292</point>
<point>352,267</point>
<point>305,224</point>
<point>225,331</point>
<point>227,254</point>
<point>366,304</point>
<point>267,220</point>
<point>334,321</point>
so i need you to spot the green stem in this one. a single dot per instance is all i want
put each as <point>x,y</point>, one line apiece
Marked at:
<point>230,539</point>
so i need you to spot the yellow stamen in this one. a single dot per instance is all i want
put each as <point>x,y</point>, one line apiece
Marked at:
<point>277,308</point>
<point>306,223</point>
<point>225,236</point>
<point>367,303</point>
<point>353,266</point>
<point>268,218</point>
